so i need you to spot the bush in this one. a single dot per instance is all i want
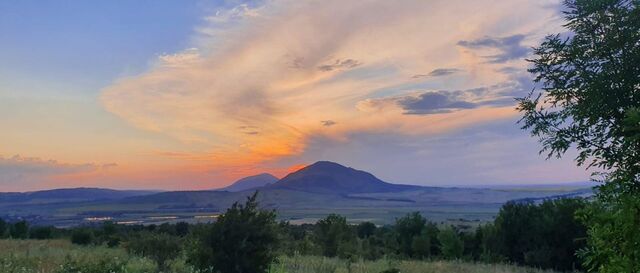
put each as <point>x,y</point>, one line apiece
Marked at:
<point>334,236</point>
<point>159,247</point>
<point>113,241</point>
<point>20,230</point>
<point>41,233</point>
<point>82,236</point>
<point>243,239</point>
<point>451,246</point>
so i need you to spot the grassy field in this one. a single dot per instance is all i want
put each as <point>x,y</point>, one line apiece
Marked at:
<point>59,256</point>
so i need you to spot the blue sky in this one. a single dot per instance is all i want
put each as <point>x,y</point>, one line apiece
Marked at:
<point>195,94</point>
<point>84,45</point>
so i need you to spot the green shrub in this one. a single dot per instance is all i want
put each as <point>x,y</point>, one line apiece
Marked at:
<point>19,230</point>
<point>243,239</point>
<point>159,247</point>
<point>451,246</point>
<point>335,237</point>
<point>82,236</point>
<point>41,233</point>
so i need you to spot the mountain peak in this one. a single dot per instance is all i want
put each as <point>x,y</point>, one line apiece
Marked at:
<point>333,178</point>
<point>327,163</point>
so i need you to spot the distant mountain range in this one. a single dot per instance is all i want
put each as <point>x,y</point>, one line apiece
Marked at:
<point>302,196</point>
<point>69,195</point>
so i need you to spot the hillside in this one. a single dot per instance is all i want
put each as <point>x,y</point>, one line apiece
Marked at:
<point>251,183</point>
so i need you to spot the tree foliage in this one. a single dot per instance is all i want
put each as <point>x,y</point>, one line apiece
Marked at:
<point>159,247</point>
<point>366,229</point>
<point>335,236</point>
<point>4,226</point>
<point>407,228</point>
<point>546,235</point>
<point>242,240</point>
<point>452,246</point>
<point>82,236</point>
<point>590,98</point>
<point>19,230</point>
<point>589,83</point>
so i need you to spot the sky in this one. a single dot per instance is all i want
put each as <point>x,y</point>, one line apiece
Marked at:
<point>178,95</point>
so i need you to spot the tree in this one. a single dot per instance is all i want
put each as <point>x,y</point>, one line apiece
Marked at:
<point>563,235</point>
<point>243,239</point>
<point>451,246</point>
<point>334,236</point>
<point>182,229</point>
<point>407,228</point>
<point>159,247</point>
<point>421,245</point>
<point>517,228</point>
<point>590,84</point>
<point>366,229</point>
<point>546,235</point>
<point>590,98</point>
<point>19,230</point>
<point>489,244</point>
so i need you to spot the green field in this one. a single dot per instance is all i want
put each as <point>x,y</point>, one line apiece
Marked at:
<point>60,256</point>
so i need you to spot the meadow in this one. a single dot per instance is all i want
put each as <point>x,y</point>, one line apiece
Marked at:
<point>60,256</point>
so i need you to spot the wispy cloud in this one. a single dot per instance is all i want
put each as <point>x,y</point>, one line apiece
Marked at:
<point>262,77</point>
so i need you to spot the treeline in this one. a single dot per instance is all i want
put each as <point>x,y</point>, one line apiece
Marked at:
<point>545,235</point>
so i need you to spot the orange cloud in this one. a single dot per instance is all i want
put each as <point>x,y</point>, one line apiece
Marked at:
<point>259,83</point>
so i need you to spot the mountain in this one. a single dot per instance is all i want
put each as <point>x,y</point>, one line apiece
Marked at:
<point>68,195</point>
<point>251,182</point>
<point>332,178</point>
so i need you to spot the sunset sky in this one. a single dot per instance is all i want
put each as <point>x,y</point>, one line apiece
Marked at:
<point>195,94</point>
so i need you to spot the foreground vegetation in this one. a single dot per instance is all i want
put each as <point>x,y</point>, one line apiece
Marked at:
<point>247,239</point>
<point>60,256</point>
